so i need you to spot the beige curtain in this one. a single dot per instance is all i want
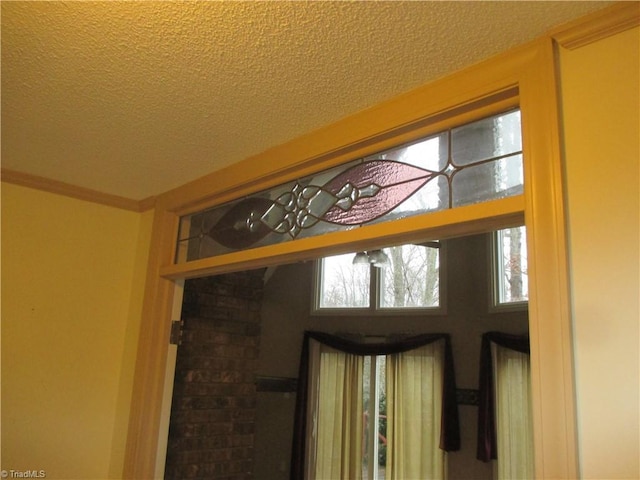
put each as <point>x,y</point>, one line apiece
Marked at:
<point>513,414</point>
<point>414,411</point>
<point>335,447</point>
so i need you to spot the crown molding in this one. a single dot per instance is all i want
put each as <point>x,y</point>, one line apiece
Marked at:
<point>598,25</point>
<point>145,204</point>
<point>73,191</point>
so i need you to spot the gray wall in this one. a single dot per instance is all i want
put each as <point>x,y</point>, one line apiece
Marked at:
<point>286,314</point>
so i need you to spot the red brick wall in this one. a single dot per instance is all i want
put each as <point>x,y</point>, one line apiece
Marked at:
<point>211,434</point>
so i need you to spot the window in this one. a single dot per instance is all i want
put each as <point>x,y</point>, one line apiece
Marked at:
<point>471,163</point>
<point>401,278</point>
<point>375,410</point>
<point>510,286</point>
<point>374,404</point>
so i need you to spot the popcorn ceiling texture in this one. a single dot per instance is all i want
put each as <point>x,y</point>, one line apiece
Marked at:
<point>135,98</point>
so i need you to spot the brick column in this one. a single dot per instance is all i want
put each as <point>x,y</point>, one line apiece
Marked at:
<point>211,434</point>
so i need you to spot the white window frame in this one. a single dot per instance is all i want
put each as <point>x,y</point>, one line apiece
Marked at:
<point>496,277</point>
<point>374,307</point>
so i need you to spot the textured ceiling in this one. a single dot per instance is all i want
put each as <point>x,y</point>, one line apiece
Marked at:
<point>135,98</point>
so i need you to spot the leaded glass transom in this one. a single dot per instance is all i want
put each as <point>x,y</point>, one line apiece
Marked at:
<point>473,163</point>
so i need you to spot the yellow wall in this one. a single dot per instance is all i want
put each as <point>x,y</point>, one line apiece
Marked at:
<point>72,279</point>
<point>601,102</point>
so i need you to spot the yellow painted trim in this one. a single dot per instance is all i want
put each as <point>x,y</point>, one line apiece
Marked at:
<point>601,24</point>
<point>555,435</point>
<point>73,191</point>
<point>146,204</point>
<point>146,404</point>
<point>482,217</point>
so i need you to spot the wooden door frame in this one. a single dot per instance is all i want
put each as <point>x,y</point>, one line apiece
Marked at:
<point>526,77</point>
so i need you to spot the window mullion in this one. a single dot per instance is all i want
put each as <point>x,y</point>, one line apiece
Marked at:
<point>374,289</point>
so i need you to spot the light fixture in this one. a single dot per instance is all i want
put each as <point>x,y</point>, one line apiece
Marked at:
<point>377,258</point>
<point>361,258</point>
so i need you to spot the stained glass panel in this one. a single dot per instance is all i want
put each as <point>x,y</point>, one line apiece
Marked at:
<point>487,181</point>
<point>486,139</point>
<point>473,163</point>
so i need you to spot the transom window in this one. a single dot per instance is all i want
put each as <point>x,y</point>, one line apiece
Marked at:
<point>472,163</point>
<point>401,278</point>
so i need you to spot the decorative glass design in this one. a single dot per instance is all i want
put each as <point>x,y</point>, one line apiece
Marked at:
<point>473,163</point>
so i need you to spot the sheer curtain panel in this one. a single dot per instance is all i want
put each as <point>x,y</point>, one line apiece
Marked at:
<point>414,413</point>
<point>335,443</point>
<point>505,431</point>
<point>513,420</point>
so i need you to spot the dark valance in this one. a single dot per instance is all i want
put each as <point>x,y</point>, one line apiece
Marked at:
<point>487,443</point>
<point>450,431</point>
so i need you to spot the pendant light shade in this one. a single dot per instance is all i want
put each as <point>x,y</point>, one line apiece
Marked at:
<point>377,258</point>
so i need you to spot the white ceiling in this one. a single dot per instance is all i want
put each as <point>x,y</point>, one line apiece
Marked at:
<point>135,98</point>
